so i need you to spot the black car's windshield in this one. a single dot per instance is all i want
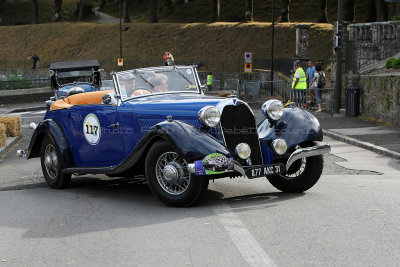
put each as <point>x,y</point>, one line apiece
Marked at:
<point>138,82</point>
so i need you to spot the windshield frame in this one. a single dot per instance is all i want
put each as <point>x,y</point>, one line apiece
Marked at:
<point>161,68</point>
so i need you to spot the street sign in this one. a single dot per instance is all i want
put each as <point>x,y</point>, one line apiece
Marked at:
<point>248,67</point>
<point>120,62</point>
<point>247,56</point>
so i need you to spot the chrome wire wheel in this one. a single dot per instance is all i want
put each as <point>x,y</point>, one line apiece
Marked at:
<point>51,161</point>
<point>172,174</point>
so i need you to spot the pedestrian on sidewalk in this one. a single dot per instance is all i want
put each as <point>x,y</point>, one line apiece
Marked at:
<point>318,83</point>
<point>299,84</point>
<point>165,59</point>
<point>36,61</point>
<point>310,77</point>
<point>170,59</point>
<point>209,81</point>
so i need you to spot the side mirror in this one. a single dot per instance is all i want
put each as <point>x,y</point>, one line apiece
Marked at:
<point>203,88</point>
<point>109,99</point>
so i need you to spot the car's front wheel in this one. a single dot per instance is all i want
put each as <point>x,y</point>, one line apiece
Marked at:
<point>50,160</point>
<point>169,179</point>
<point>301,175</point>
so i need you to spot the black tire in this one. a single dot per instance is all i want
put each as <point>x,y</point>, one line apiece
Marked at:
<point>52,167</point>
<point>305,180</point>
<point>193,186</point>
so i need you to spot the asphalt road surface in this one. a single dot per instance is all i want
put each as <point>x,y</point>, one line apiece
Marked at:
<point>350,218</point>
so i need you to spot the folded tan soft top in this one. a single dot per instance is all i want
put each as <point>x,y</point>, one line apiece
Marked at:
<point>79,99</point>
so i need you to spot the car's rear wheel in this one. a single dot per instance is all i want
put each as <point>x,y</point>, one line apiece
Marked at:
<point>50,159</point>
<point>301,175</point>
<point>169,179</point>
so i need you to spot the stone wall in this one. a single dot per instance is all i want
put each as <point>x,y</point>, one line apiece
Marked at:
<point>380,97</point>
<point>374,41</point>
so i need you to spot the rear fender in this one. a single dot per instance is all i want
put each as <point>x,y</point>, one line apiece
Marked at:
<point>295,127</point>
<point>53,129</point>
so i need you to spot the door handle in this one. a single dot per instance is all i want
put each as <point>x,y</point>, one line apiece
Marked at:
<point>116,125</point>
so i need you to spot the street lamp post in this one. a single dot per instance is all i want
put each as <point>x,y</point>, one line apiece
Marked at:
<point>272,49</point>
<point>338,83</point>
<point>120,28</point>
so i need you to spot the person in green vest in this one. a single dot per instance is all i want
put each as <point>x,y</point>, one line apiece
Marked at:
<point>209,81</point>
<point>299,84</point>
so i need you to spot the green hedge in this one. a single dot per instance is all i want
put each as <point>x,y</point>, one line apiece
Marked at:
<point>393,63</point>
<point>12,81</point>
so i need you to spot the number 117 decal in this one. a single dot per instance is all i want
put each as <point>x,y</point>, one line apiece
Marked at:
<point>91,129</point>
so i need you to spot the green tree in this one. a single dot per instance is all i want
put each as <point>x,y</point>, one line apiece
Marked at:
<point>35,12</point>
<point>248,16</point>
<point>126,6</point>
<point>323,18</point>
<point>57,10</point>
<point>153,11</point>
<point>284,17</point>
<point>81,6</point>
<point>215,10</point>
<point>2,9</point>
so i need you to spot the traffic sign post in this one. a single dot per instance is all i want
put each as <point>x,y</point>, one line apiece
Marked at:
<point>120,62</point>
<point>248,67</point>
<point>248,62</point>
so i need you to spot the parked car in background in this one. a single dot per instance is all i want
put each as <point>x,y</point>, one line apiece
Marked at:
<point>158,122</point>
<point>72,77</point>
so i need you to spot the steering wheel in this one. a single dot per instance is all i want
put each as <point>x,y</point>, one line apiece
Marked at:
<point>142,93</point>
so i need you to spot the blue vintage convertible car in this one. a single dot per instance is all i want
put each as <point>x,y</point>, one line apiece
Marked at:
<point>158,122</point>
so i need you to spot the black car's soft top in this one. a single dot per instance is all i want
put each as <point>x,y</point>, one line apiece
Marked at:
<point>73,65</point>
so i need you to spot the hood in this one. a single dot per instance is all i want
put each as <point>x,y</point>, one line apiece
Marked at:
<point>177,105</point>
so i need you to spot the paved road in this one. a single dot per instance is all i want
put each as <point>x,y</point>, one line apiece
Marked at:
<point>350,218</point>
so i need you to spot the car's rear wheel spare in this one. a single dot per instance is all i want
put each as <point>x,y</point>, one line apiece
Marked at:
<point>169,179</point>
<point>50,159</point>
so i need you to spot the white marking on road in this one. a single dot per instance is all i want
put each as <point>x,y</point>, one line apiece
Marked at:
<point>240,235</point>
<point>18,114</point>
<point>40,112</point>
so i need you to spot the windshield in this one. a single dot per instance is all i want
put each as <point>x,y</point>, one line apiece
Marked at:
<point>134,83</point>
<point>74,76</point>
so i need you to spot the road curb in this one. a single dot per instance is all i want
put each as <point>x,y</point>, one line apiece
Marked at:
<point>366,145</point>
<point>7,147</point>
<point>26,109</point>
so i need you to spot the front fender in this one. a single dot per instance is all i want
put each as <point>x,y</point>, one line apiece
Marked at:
<point>295,127</point>
<point>50,127</point>
<point>188,141</point>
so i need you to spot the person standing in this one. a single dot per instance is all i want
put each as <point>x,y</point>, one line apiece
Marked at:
<point>209,81</point>
<point>165,59</point>
<point>170,59</point>
<point>310,77</point>
<point>36,61</point>
<point>318,83</point>
<point>299,84</point>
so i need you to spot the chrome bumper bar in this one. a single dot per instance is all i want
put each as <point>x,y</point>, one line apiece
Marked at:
<point>307,152</point>
<point>296,155</point>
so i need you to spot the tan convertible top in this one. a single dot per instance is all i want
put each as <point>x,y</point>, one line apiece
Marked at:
<point>79,99</point>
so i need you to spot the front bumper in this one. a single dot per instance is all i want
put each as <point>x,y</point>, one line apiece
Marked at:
<point>265,170</point>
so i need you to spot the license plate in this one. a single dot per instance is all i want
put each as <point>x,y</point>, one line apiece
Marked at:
<point>262,171</point>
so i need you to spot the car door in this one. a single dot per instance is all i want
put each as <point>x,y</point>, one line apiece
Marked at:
<point>97,140</point>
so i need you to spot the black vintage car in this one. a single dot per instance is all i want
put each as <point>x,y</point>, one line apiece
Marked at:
<point>73,77</point>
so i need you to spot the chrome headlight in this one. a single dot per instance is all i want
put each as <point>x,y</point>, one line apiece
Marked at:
<point>279,146</point>
<point>273,109</point>
<point>243,150</point>
<point>209,116</point>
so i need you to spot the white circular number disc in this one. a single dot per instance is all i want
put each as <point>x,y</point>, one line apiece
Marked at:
<point>91,129</point>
